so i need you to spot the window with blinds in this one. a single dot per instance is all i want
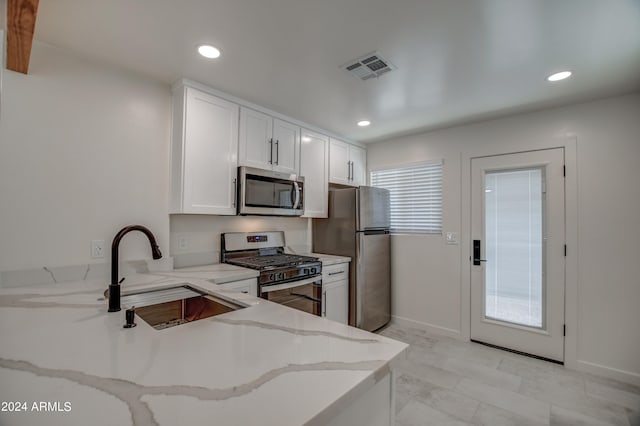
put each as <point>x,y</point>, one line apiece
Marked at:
<point>416,197</point>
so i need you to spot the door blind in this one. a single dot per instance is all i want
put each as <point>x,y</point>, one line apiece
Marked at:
<point>415,197</point>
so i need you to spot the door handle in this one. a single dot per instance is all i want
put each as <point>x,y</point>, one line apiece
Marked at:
<point>476,253</point>
<point>271,151</point>
<point>277,151</point>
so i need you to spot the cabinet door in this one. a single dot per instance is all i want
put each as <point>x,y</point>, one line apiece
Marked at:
<point>336,301</point>
<point>339,162</point>
<point>358,157</point>
<point>256,130</point>
<point>210,144</point>
<point>286,146</point>
<point>248,286</point>
<point>314,167</point>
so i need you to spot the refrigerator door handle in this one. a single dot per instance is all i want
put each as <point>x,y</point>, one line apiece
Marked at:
<point>360,274</point>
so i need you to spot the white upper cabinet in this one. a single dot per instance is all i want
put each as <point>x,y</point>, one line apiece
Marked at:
<point>204,150</point>
<point>314,167</point>
<point>267,142</point>
<point>256,131</point>
<point>358,157</point>
<point>340,167</point>
<point>347,163</point>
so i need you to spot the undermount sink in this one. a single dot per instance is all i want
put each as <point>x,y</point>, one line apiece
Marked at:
<point>169,307</point>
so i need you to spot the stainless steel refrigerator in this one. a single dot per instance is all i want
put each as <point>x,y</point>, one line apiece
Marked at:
<point>358,227</point>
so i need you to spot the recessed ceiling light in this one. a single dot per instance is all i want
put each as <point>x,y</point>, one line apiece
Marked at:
<point>363,123</point>
<point>208,51</point>
<point>559,76</point>
<point>306,139</point>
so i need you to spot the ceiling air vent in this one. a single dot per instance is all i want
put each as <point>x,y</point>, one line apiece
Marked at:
<point>369,66</point>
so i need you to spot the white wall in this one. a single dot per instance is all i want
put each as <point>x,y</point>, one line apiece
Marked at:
<point>608,207</point>
<point>83,152</point>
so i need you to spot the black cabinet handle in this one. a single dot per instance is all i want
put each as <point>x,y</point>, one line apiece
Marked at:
<point>277,151</point>
<point>271,151</point>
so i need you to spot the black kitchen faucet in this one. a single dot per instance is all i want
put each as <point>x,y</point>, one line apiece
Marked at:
<point>114,287</point>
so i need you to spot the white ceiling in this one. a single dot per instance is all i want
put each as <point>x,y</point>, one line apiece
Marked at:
<point>458,60</point>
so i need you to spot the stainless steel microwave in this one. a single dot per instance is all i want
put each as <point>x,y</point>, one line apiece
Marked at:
<point>263,192</point>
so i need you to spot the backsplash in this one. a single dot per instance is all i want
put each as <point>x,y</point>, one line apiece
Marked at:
<point>200,237</point>
<point>87,272</point>
<point>195,239</point>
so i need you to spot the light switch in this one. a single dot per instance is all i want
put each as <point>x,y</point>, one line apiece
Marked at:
<point>183,243</point>
<point>451,237</point>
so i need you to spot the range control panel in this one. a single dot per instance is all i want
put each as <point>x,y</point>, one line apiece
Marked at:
<point>290,274</point>
<point>257,238</point>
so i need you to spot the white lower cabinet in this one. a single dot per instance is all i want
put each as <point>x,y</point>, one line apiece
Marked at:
<point>248,286</point>
<point>335,292</point>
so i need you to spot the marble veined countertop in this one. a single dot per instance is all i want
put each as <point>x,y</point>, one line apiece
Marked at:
<point>64,360</point>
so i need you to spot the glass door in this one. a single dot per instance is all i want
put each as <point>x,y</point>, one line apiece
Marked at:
<point>517,275</point>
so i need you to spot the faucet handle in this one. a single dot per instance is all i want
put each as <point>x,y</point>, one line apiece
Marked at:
<point>129,316</point>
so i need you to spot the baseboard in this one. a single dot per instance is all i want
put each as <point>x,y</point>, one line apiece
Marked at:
<point>608,372</point>
<point>435,329</point>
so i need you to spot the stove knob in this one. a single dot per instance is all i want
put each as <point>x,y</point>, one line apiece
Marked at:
<point>312,270</point>
<point>305,271</point>
<point>272,277</point>
<point>280,275</point>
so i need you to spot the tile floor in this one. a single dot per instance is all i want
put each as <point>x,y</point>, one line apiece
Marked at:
<point>444,381</point>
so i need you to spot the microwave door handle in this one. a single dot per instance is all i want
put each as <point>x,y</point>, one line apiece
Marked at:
<point>296,189</point>
<point>235,193</point>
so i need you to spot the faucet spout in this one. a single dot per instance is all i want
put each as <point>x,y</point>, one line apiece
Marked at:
<point>114,287</point>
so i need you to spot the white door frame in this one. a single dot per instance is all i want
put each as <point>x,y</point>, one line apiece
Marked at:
<point>571,229</point>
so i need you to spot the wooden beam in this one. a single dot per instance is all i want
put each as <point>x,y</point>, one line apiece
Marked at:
<point>21,24</point>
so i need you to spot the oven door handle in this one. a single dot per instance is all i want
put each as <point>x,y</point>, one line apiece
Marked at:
<point>313,299</point>
<point>296,188</point>
<point>291,284</point>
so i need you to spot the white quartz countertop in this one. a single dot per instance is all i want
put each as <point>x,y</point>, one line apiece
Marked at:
<point>265,364</point>
<point>330,259</point>
<point>327,259</point>
<point>218,273</point>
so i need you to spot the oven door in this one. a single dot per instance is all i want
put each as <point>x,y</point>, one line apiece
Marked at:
<point>304,295</point>
<point>270,193</point>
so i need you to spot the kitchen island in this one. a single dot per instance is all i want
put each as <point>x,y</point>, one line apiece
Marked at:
<point>65,360</point>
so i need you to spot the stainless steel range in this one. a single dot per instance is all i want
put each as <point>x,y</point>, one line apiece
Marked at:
<point>288,279</point>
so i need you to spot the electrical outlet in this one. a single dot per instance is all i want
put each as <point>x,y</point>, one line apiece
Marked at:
<point>97,249</point>
<point>183,243</point>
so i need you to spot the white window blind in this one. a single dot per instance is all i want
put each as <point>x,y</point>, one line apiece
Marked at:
<point>416,197</point>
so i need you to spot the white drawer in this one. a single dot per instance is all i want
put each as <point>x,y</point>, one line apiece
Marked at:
<point>249,286</point>
<point>335,272</point>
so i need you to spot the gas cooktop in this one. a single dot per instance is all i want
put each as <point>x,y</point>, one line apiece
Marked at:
<point>271,261</point>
